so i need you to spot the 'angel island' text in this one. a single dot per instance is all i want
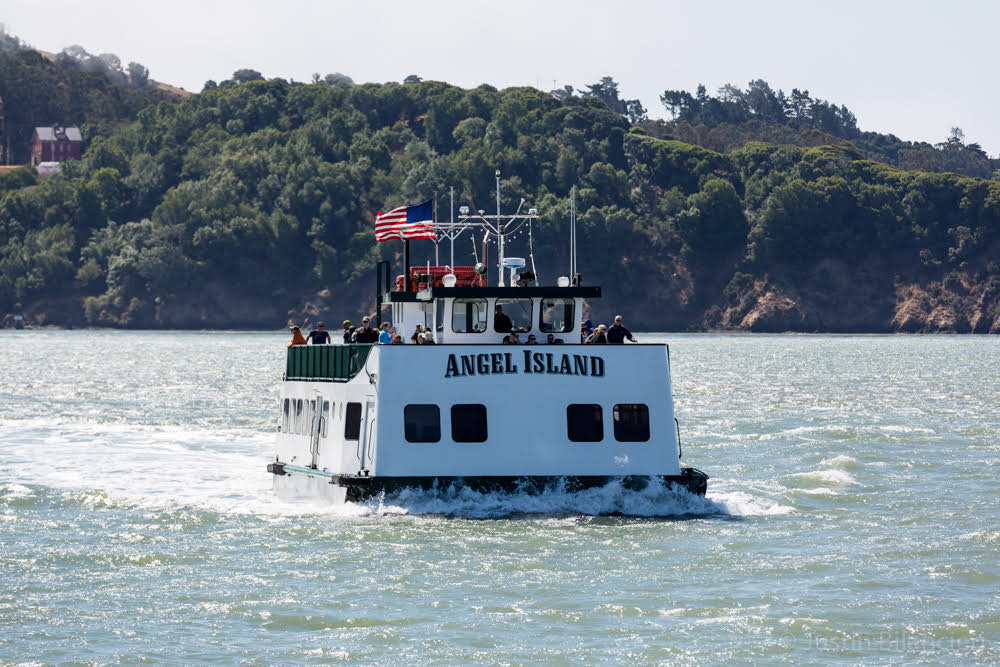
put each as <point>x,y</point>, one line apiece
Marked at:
<point>498,363</point>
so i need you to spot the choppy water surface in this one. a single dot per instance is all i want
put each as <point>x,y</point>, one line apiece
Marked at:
<point>852,517</point>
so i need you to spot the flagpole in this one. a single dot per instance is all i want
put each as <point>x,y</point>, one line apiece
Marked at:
<point>406,265</point>
<point>437,260</point>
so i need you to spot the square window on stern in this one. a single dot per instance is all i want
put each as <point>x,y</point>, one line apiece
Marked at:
<point>585,422</point>
<point>631,422</point>
<point>468,422</point>
<point>422,423</point>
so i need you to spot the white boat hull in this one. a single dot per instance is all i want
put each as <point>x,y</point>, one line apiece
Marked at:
<point>358,442</point>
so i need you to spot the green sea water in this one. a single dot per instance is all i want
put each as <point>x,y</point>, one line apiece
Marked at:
<point>853,517</point>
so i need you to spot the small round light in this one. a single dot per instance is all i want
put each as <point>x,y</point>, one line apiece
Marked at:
<point>463,210</point>
<point>562,281</point>
<point>449,280</point>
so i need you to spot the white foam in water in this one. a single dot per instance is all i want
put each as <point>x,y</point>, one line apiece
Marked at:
<point>832,477</point>
<point>656,500</point>
<point>740,503</point>
<point>840,461</point>
<point>165,467</point>
<point>150,466</point>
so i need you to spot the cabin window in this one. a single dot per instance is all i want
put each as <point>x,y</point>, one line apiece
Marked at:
<point>428,310</point>
<point>326,419</point>
<point>422,423</point>
<point>439,317</point>
<point>512,315</point>
<point>285,408</point>
<point>557,316</point>
<point>468,422</point>
<point>585,422</point>
<point>631,422</point>
<point>352,423</point>
<point>468,316</point>
<point>298,416</point>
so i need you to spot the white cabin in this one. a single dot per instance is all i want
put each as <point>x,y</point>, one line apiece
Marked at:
<point>473,410</point>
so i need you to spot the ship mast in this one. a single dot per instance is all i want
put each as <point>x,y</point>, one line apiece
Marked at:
<point>499,226</point>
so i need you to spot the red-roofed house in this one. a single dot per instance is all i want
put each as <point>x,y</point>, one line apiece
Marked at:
<point>55,144</point>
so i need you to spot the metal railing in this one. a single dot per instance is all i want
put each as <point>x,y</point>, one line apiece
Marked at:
<point>325,362</point>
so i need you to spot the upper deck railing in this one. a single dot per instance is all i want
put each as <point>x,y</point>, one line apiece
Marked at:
<point>325,362</point>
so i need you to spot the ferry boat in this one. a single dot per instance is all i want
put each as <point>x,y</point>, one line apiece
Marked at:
<point>472,410</point>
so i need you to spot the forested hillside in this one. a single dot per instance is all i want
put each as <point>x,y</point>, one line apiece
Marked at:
<point>37,91</point>
<point>735,117</point>
<point>252,203</point>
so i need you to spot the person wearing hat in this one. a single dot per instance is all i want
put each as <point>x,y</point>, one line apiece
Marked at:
<point>586,329</point>
<point>319,335</point>
<point>348,332</point>
<point>365,334</point>
<point>428,338</point>
<point>297,337</point>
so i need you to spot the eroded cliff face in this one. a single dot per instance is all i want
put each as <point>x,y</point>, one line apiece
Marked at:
<point>958,305</point>
<point>832,298</point>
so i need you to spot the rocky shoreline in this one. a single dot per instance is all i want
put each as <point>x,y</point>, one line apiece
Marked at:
<point>959,306</point>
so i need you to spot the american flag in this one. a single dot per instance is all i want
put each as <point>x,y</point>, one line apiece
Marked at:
<point>406,222</point>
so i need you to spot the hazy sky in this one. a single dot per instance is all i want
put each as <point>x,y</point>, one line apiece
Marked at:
<point>914,68</point>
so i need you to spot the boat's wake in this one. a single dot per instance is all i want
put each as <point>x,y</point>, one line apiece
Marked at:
<point>612,499</point>
<point>127,466</point>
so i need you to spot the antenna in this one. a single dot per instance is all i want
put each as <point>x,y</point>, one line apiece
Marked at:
<point>572,232</point>
<point>499,226</point>
<point>500,235</point>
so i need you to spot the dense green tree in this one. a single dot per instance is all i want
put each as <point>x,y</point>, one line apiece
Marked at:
<point>138,75</point>
<point>264,193</point>
<point>713,223</point>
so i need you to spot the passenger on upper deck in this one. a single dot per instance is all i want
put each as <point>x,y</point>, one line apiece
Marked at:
<point>618,333</point>
<point>415,338</point>
<point>428,338</point>
<point>319,335</point>
<point>501,322</point>
<point>297,337</point>
<point>397,339</point>
<point>348,332</point>
<point>599,337</point>
<point>532,340</point>
<point>365,334</point>
<point>586,329</point>
<point>384,337</point>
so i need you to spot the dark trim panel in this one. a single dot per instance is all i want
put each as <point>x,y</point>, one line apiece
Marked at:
<point>360,488</point>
